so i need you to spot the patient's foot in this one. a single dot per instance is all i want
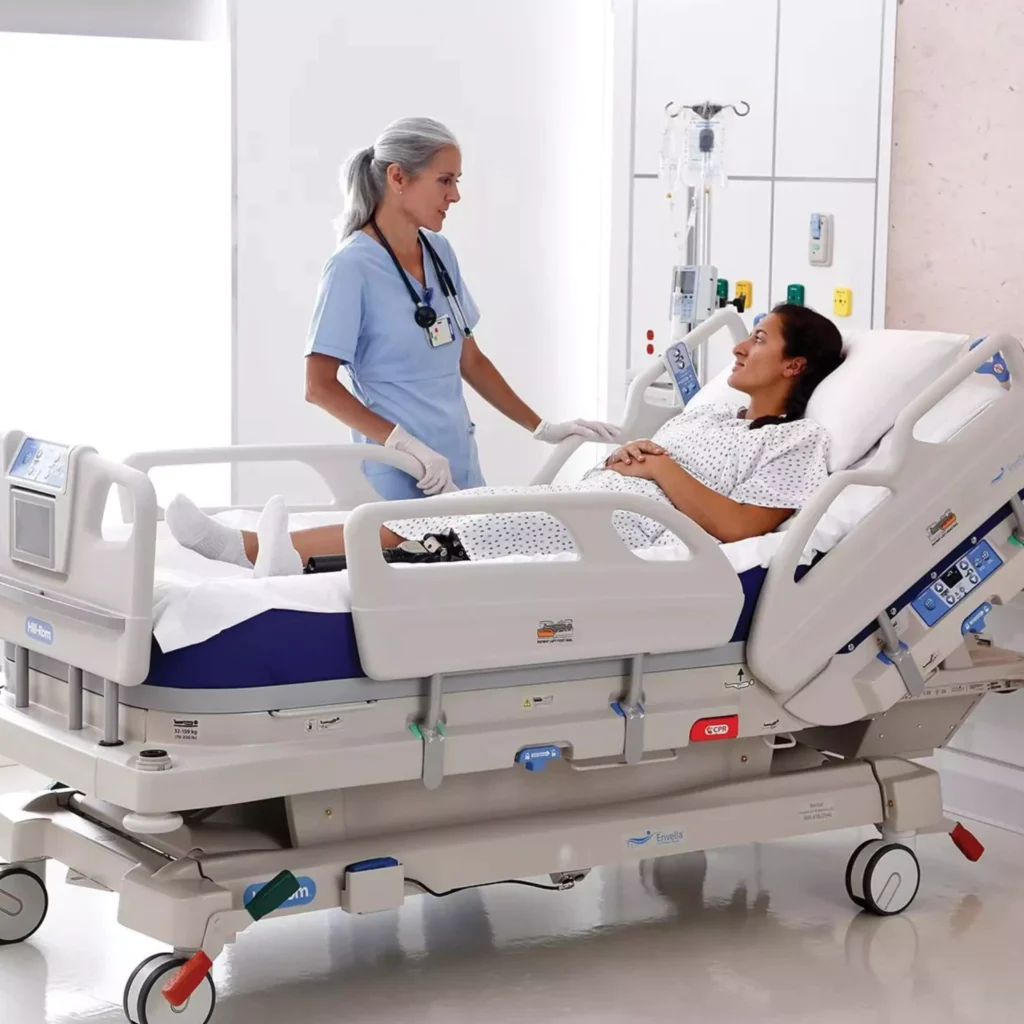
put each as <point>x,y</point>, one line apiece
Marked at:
<point>192,528</point>
<point>277,555</point>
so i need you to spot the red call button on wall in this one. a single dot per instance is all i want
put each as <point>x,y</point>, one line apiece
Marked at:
<point>725,728</point>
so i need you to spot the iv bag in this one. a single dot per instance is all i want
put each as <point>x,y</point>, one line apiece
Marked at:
<point>703,160</point>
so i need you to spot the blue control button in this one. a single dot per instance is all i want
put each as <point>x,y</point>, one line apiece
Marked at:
<point>373,865</point>
<point>996,366</point>
<point>535,759</point>
<point>975,622</point>
<point>680,364</point>
<point>961,577</point>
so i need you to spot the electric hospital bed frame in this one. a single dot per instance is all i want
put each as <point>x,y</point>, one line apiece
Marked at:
<point>206,810</point>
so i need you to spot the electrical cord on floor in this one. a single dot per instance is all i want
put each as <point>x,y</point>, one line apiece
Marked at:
<point>561,887</point>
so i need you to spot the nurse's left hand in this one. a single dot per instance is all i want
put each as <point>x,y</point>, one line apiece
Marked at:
<point>589,430</point>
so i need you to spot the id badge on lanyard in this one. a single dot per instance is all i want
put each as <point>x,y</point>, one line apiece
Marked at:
<point>442,332</point>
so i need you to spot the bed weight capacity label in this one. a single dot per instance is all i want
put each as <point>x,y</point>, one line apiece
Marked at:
<point>186,730</point>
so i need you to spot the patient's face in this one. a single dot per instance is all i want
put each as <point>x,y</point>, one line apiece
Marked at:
<point>761,362</point>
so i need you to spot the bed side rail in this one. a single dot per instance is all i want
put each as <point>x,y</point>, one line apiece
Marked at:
<point>642,418</point>
<point>97,616</point>
<point>427,619</point>
<point>338,465</point>
<point>799,626</point>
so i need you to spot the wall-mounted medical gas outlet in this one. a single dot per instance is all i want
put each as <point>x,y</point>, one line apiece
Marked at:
<point>842,301</point>
<point>820,242</point>
<point>795,294</point>
<point>745,291</point>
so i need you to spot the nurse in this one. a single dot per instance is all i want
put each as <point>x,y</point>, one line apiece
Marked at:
<point>393,309</point>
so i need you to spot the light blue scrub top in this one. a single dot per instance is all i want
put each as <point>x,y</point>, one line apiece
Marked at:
<point>364,317</point>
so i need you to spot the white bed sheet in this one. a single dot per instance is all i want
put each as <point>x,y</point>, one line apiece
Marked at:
<point>195,598</point>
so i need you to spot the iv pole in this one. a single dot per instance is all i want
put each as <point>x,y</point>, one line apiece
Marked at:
<point>698,239</point>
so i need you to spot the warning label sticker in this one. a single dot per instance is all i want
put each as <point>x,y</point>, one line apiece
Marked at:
<point>538,702</point>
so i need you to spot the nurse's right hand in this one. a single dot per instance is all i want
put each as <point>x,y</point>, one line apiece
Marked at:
<point>437,473</point>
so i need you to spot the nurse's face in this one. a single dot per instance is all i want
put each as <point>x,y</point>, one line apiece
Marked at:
<point>426,197</point>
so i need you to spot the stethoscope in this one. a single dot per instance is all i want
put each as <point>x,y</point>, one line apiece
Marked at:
<point>425,315</point>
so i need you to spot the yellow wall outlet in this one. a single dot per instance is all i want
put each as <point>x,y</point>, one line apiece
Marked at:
<point>842,301</point>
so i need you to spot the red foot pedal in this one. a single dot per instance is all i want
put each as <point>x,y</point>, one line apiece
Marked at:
<point>187,979</point>
<point>967,843</point>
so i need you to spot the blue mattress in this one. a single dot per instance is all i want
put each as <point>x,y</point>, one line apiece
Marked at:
<point>281,647</point>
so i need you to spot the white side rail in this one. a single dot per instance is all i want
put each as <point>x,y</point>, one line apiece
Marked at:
<point>799,626</point>
<point>417,620</point>
<point>338,465</point>
<point>97,617</point>
<point>642,418</point>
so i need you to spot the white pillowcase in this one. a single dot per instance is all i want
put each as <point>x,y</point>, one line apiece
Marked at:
<point>856,404</point>
<point>882,372</point>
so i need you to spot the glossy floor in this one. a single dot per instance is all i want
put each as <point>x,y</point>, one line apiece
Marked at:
<point>752,934</point>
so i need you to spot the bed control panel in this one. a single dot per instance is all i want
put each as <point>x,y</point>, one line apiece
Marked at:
<point>40,482</point>
<point>956,582</point>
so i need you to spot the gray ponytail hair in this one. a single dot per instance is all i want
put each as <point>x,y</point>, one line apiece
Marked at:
<point>411,142</point>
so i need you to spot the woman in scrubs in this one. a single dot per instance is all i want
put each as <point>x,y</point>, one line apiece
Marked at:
<point>392,308</point>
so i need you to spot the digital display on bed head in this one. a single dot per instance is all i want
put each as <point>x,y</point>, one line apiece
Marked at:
<point>952,576</point>
<point>41,463</point>
<point>39,498</point>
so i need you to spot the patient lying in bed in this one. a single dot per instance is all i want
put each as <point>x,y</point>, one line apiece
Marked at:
<point>735,475</point>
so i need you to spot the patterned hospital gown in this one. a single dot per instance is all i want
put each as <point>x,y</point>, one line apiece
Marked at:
<point>778,465</point>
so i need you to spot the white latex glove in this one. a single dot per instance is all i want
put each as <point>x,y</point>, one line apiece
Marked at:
<point>437,473</point>
<point>590,430</point>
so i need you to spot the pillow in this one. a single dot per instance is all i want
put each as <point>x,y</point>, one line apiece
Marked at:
<point>882,372</point>
<point>857,403</point>
<point>943,421</point>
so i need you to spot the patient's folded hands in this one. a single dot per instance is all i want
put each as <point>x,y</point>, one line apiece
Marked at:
<point>633,452</point>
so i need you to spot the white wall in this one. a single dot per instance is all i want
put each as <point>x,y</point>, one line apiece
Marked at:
<point>115,245</point>
<point>818,77</point>
<point>525,93</point>
<point>153,19</point>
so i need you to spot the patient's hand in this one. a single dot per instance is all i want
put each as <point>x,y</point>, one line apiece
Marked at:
<point>649,469</point>
<point>632,452</point>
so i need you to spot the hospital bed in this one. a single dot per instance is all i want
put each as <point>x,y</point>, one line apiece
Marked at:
<point>423,728</point>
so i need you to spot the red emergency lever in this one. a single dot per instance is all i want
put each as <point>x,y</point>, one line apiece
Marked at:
<point>967,843</point>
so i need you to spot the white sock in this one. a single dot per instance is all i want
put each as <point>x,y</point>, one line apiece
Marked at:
<point>277,555</point>
<point>192,528</point>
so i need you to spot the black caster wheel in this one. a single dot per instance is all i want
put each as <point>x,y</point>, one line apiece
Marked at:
<point>883,878</point>
<point>855,870</point>
<point>144,1003</point>
<point>23,905</point>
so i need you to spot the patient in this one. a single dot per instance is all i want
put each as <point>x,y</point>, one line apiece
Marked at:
<point>736,475</point>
